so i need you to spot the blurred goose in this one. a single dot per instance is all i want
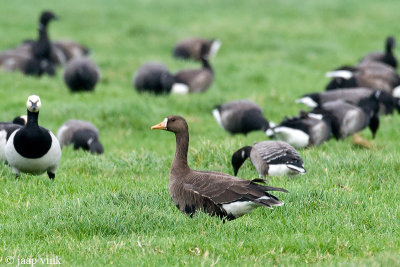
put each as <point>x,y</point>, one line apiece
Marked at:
<point>21,120</point>
<point>191,48</point>
<point>81,74</point>
<point>34,57</point>
<point>273,158</point>
<point>374,75</point>
<point>217,194</point>
<point>82,134</point>
<point>352,118</point>
<point>240,116</point>
<point>6,129</point>
<point>197,80</point>
<point>155,78</point>
<point>307,129</point>
<point>387,57</point>
<point>68,50</point>
<point>387,103</point>
<point>31,148</point>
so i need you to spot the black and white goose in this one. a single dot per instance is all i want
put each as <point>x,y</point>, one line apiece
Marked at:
<point>387,57</point>
<point>6,129</point>
<point>270,158</point>
<point>82,134</point>
<point>374,75</point>
<point>307,129</point>
<point>191,48</point>
<point>387,102</point>
<point>353,118</point>
<point>33,149</point>
<point>240,116</point>
<point>81,74</point>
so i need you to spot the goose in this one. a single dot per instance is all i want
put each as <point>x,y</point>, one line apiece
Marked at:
<point>215,193</point>
<point>197,80</point>
<point>33,57</point>
<point>66,50</point>
<point>81,74</point>
<point>240,116</point>
<point>374,75</point>
<point>273,158</point>
<point>387,103</point>
<point>387,57</point>
<point>352,118</point>
<point>155,78</point>
<point>82,134</point>
<point>306,129</point>
<point>21,120</point>
<point>191,48</point>
<point>33,149</point>
<point>6,129</point>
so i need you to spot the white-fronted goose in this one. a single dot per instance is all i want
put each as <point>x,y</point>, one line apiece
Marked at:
<point>82,134</point>
<point>215,193</point>
<point>272,158</point>
<point>387,103</point>
<point>197,80</point>
<point>352,118</point>
<point>81,74</point>
<point>387,57</point>
<point>306,130</point>
<point>240,116</point>
<point>33,149</point>
<point>191,48</point>
<point>374,75</point>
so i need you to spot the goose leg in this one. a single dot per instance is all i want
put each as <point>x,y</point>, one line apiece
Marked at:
<point>51,175</point>
<point>15,171</point>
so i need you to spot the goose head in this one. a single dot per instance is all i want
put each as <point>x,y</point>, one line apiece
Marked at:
<point>175,124</point>
<point>33,103</point>
<point>46,17</point>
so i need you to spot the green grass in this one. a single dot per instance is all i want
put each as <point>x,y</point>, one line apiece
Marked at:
<point>116,208</point>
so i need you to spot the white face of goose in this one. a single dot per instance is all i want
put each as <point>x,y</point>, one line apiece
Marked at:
<point>33,104</point>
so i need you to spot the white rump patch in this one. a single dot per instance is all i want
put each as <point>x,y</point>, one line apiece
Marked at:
<point>217,117</point>
<point>396,92</point>
<point>180,88</point>
<point>215,46</point>
<point>308,101</point>
<point>3,136</point>
<point>316,116</point>
<point>345,74</point>
<point>294,137</point>
<point>239,208</point>
<point>269,132</point>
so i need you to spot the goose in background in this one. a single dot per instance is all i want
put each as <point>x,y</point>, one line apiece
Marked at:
<point>197,80</point>
<point>215,193</point>
<point>64,51</point>
<point>6,129</point>
<point>34,57</point>
<point>353,118</point>
<point>155,78</point>
<point>270,158</point>
<point>374,75</point>
<point>387,102</point>
<point>81,74</point>
<point>31,148</point>
<point>82,134</point>
<point>191,48</point>
<point>240,116</point>
<point>386,57</point>
<point>307,129</point>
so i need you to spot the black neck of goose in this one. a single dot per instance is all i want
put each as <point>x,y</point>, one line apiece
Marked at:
<point>43,32</point>
<point>206,64</point>
<point>182,145</point>
<point>33,118</point>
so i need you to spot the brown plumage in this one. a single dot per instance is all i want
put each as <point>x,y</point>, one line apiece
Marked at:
<point>215,193</point>
<point>198,80</point>
<point>191,48</point>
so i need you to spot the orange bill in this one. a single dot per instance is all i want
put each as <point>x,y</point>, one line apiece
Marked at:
<point>161,126</point>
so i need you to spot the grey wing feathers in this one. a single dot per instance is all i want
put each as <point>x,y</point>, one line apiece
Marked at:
<point>276,152</point>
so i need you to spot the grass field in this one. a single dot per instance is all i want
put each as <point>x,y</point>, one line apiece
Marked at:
<point>116,209</point>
